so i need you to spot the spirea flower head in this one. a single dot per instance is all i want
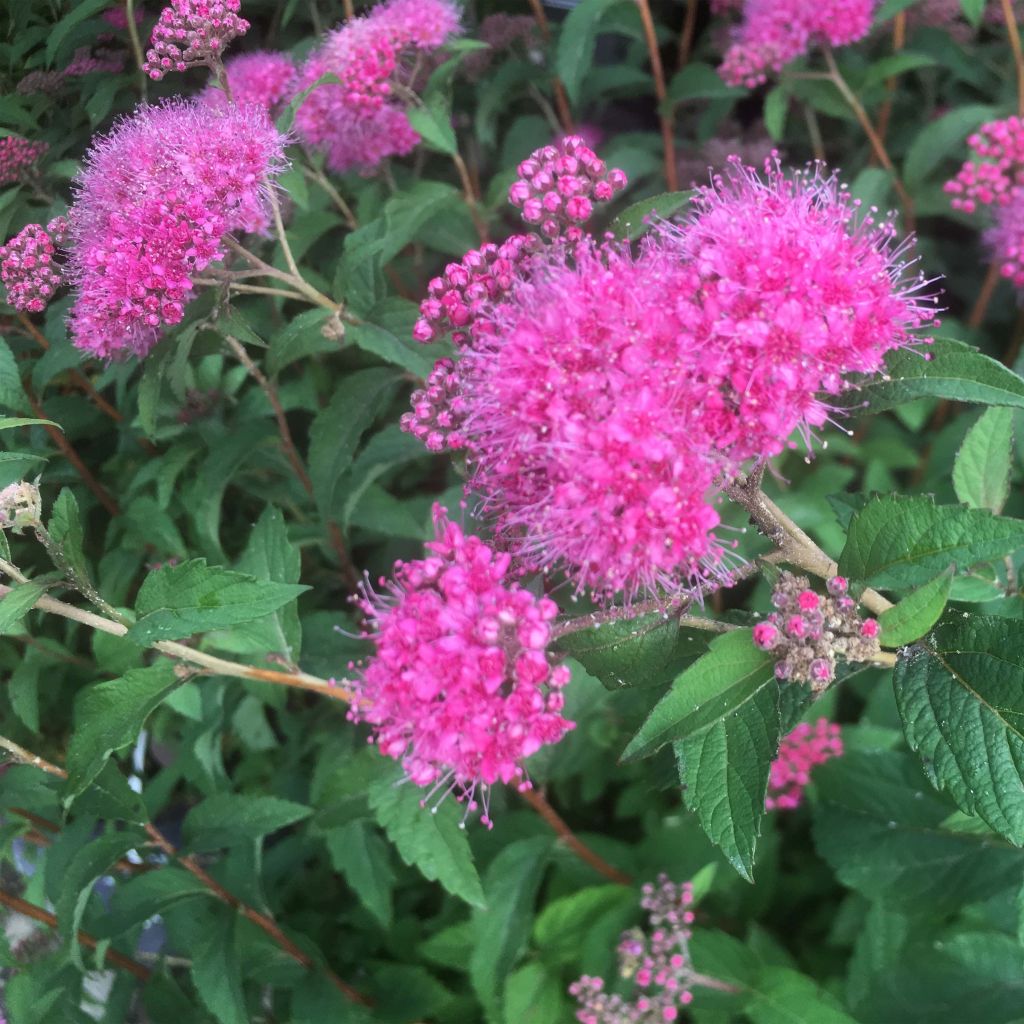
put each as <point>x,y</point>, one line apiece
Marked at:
<point>660,964</point>
<point>791,288</point>
<point>799,751</point>
<point>583,426</point>
<point>154,201</point>
<point>437,409</point>
<point>775,32</point>
<point>17,156</point>
<point>460,688</point>
<point>998,167</point>
<point>262,78</point>
<point>1005,238</point>
<point>191,33</point>
<point>28,266</point>
<point>558,186</point>
<point>357,121</point>
<point>808,632</point>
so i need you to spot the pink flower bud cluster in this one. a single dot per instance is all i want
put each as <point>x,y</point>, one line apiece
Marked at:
<point>659,964</point>
<point>558,186</point>
<point>191,33</point>
<point>17,156</point>
<point>263,78</point>
<point>28,265</point>
<point>86,62</point>
<point>437,410</point>
<point>799,751</point>
<point>501,32</point>
<point>807,632</point>
<point>155,200</point>
<point>358,121</point>
<point>774,33</point>
<point>1005,238</point>
<point>457,298</point>
<point>460,689</point>
<point>997,171</point>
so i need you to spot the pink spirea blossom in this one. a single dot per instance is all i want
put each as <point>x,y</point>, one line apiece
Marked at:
<point>1005,238</point>
<point>357,122</point>
<point>460,688</point>
<point>799,751</point>
<point>790,288</point>
<point>558,186</point>
<point>263,78</point>
<point>998,167</point>
<point>154,202</point>
<point>584,434</point>
<point>437,409</point>
<point>17,156</point>
<point>28,265</point>
<point>775,32</point>
<point>192,33</point>
<point>659,963</point>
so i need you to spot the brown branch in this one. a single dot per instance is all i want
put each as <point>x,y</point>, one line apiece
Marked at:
<point>899,40</point>
<point>67,449</point>
<point>262,921</point>
<point>987,290</point>
<point>561,97</point>
<point>111,956</point>
<point>469,194</point>
<point>661,92</point>
<point>1018,55</point>
<point>552,818</point>
<point>686,36</point>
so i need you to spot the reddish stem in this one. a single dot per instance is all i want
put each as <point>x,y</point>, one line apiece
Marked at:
<point>661,92</point>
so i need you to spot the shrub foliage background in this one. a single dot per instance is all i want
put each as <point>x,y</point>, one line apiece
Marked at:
<point>183,838</point>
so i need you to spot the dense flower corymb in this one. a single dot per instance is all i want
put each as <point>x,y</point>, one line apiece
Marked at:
<point>790,289</point>
<point>998,169</point>
<point>17,156</point>
<point>799,751</point>
<point>192,33</point>
<point>358,121</point>
<point>155,200</point>
<point>460,688</point>
<point>775,32</point>
<point>28,265</point>
<point>263,78</point>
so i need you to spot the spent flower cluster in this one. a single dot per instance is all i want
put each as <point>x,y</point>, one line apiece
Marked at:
<point>28,265</point>
<point>659,964</point>
<point>192,33</point>
<point>21,507</point>
<point>460,689</point>
<point>808,631</point>
<point>17,155</point>
<point>799,751</point>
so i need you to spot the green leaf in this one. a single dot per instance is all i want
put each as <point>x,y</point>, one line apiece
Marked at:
<point>434,843</point>
<point>973,10</point>
<point>632,222</point>
<point>79,11</point>
<point>981,472</point>
<point>878,947</point>
<point>575,54</point>
<point>86,866</point>
<point>65,529</point>
<point>776,107</point>
<point>699,81</point>
<point>896,64</point>
<point>382,343</point>
<point>358,852</point>
<point>15,604</point>
<point>879,825</point>
<point>953,370</point>
<point>784,996</point>
<point>961,698</point>
<point>942,138</point>
<point>109,716</point>
<point>216,971</point>
<point>909,620</point>
<point>730,674</point>
<point>501,930</point>
<point>142,897</point>
<point>227,819</point>
<point>12,394</point>
<point>898,541</point>
<point>9,422</point>
<point>336,431</point>
<point>533,995</point>
<point>562,925</point>
<point>724,772</point>
<point>433,122</point>
<point>110,797</point>
<point>192,597</point>
<point>317,1001</point>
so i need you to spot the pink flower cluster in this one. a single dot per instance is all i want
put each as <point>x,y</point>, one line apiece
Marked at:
<point>437,409</point>
<point>28,268</point>
<point>86,62</point>
<point>807,632</point>
<point>263,78</point>
<point>799,751</point>
<point>117,17</point>
<point>157,196</point>
<point>558,185</point>
<point>460,688</point>
<point>17,156</point>
<point>603,398</point>
<point>191,33</point>
<point>358,121</point>
<point>457,299</point>
<point>660,964</point>
<point>775,32</point>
